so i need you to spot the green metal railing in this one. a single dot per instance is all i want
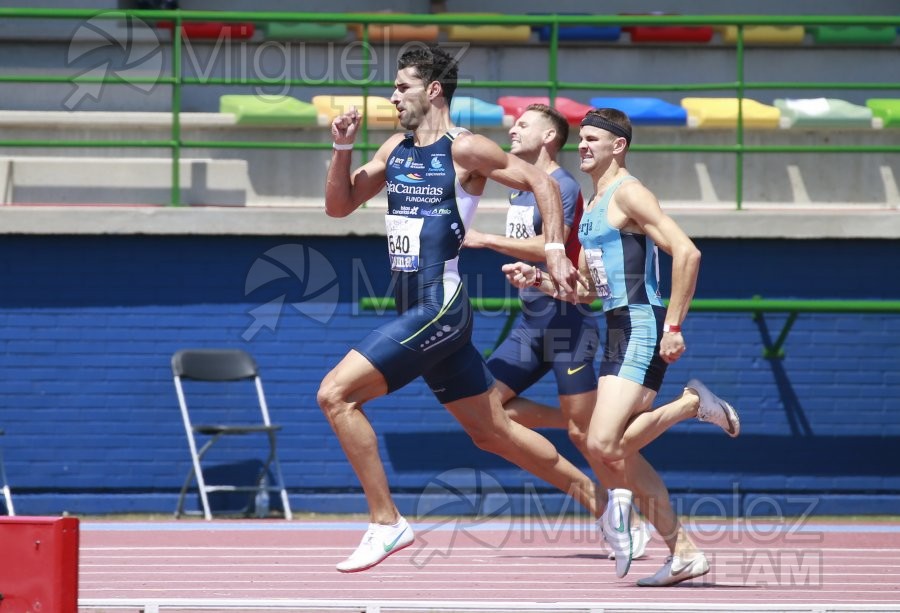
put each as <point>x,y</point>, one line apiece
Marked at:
<point>757,306</point>
<point>176,80</point>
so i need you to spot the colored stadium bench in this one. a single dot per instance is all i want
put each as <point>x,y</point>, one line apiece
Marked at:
<point>269,110</point>
<point>887,109</point>
<point>471,112</point>
<point>212,30</point>
<point>379,32</point>
<point>610,33</point>
<point>379,111</point>
<point>853,35</point>
<point>823,113</point>
<point>766,35</point>
<point>670,34</point>
<point>723,112</point>
<point>645,111</point>
<point>487,33</point>
<point>573,111</point>
<point>305,31</point>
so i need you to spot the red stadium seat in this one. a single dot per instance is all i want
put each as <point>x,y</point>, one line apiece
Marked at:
<point>573,111</point>
<point>212,30</point>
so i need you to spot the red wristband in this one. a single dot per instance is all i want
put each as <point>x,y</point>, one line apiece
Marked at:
<point>671,328</point>
<point>538,277</point>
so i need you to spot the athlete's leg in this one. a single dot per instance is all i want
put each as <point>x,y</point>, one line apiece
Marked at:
<point>341,396</point>
<point>491,429</point>
<point>529,413</point>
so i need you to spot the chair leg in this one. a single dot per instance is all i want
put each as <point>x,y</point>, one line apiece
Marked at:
<point>7,495</point>
<point>273,459</point>
<point>196,471</point>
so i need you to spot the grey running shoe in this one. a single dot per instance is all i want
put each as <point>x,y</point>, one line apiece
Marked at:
<point>676,570</point>
<point>640,538</point>
<point>715,410</point>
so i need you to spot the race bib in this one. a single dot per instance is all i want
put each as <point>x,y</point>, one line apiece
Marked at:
<point>594,259</point>
<point>520,222</point>
<point>403,241</point>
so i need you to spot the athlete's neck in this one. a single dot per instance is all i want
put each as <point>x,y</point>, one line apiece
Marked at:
<point>602,180</point>
<point>434,125</point>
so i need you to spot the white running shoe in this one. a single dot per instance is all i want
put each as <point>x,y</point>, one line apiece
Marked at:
<point>715,410</point>
<point>676,570</point>
<point>378,542</point>
<point>640,538</point>
<point>616,526</point>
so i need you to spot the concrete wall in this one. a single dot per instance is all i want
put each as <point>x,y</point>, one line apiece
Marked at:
<point>92,425</point>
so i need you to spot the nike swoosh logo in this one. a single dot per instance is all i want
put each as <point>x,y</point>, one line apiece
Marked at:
<point>389,546</point>
<point>730,428</point>
<point>682,570</point>
<point>572,371</point>
<point>621,526</point>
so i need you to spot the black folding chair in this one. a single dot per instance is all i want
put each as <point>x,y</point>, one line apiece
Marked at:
<point>7,495</point>
<point>218,366</point>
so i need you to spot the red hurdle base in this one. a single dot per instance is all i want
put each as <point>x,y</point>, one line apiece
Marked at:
<point>38,564</point>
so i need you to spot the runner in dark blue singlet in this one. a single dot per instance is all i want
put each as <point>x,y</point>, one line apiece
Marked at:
<point>434,176</point>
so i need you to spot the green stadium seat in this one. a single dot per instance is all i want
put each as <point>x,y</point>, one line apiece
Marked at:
<point>282,30</point>
<point>723,112</point>
<point>887,109</point>
<point>823,113</point>
<point>263,110</point>
<point>854,35</point>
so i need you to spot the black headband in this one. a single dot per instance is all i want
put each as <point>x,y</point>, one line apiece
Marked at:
<point>596,121</point>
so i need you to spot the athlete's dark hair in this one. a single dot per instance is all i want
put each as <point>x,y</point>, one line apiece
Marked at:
<point>432,64</point>
<point>557,120</point>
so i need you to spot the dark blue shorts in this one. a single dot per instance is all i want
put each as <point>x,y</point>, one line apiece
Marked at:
<point>551,335</point>
<point>631,350</point>
<point>434,342</point>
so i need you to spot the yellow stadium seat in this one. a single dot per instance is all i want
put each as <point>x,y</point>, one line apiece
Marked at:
<point>723,112</point>
<point>766,35</point>
<point>379,111</point>
<point>488,33</point>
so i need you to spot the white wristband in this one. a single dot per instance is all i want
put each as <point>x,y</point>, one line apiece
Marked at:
<point>340,147</point>
<point>554,246</point>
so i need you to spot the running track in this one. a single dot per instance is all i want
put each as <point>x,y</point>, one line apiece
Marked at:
<point>456,566</point>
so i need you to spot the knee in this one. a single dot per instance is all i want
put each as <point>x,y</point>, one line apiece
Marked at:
<point>604,448</point>
<point>578,437</point>
<point>330,397</point>
<point>486,439</point>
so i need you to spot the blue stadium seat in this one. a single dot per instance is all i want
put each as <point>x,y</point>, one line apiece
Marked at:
<point>470,112</point>
<point>645,111</point>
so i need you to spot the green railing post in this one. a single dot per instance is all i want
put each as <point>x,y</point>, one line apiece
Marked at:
<point>176,110</point>
<point>553,65</point>
<point>739,160</point>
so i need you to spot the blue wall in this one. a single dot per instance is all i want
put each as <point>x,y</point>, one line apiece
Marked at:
<point>92,424</point>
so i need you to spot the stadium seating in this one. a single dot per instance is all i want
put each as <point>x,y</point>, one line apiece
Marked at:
<point>766,35</point>
<point>470,112</point>
<point>378,110</point>
<point>397,32</point>
<point>304,31</point>
<point>670,34</point>
<point>645,111</point>
<point>212,30</point>
<point>487,33</point>
<point>269,110</point>
<point>723,112</point>
<point>854,35</point>
<point>823,113</point>
<point>887,109</point>
<point>572,110</point>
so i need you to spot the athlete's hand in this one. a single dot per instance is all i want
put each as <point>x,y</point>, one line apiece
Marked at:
<point>563,274</point>
<point>671,347</point>
<point>344,127</point>
<point>473,239</point>
<point>520,274</point>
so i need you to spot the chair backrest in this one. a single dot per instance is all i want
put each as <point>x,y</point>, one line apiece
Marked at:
<point>214,364</point>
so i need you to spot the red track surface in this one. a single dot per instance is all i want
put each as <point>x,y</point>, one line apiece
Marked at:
<point>828,565</point>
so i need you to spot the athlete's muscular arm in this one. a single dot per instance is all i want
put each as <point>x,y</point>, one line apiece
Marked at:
<point>345,192</point>
<point>521,275</point>
<point>642,209</point>
<point>483,157</point>
<point>531,249</point>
